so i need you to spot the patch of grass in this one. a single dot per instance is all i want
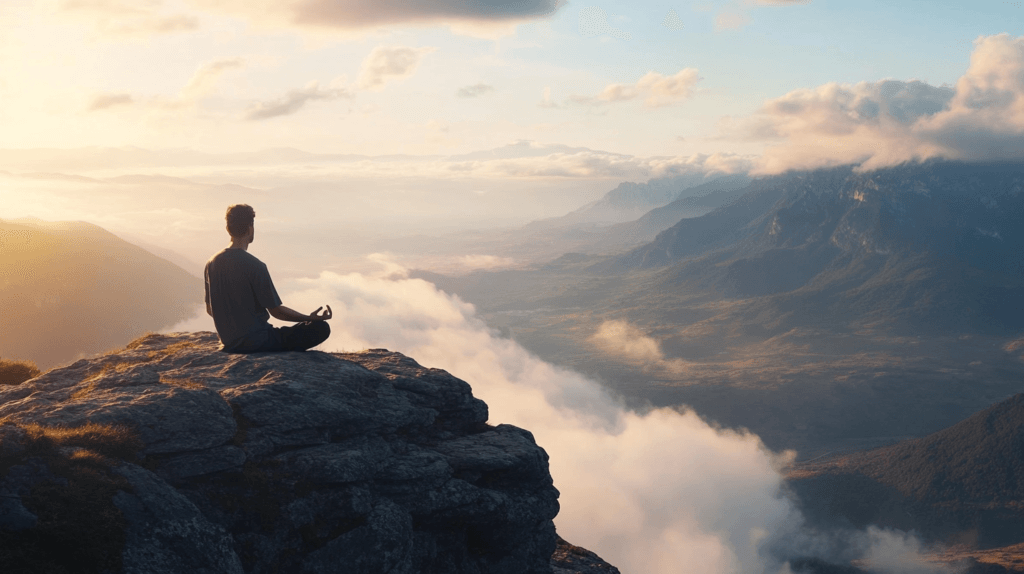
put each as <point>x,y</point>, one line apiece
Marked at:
<point>94,377</point>
<point>79,529</point>
<point>183,383</point>
<point>113,441</point>
<point>141,340</point>
<point>17,372</point>
<point>171,349</point>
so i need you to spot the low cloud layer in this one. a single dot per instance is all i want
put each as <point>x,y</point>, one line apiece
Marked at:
<point>659,492</point>
<point>889,122</point>
<point>628,343</point>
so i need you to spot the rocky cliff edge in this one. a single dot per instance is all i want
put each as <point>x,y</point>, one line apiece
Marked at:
<point>170,456</point>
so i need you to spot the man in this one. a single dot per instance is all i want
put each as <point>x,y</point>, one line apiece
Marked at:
<point>241,298</point>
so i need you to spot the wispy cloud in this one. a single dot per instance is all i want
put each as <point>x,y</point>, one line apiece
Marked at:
<point>655,89</point>
<point>129,18</point>
<point>593,21</point>
<point>104,101</point>
<point>294,101</point>
<point>474,91</point>
<point>546,101</point>
<point>672,21</point>
<point>737,15</point>
<point>207,75</point>
<point>389,63</point>
<point>202,82</point>
<point>732,20</point>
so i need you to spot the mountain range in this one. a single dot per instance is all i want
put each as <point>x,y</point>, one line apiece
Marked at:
<point>827,309</point>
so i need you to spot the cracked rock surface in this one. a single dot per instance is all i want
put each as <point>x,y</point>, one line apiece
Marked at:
<point>296,462</point>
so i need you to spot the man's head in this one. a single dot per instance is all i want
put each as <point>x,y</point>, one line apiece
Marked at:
<point>240,219</point>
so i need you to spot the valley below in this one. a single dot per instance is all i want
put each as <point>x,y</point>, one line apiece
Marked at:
<point>823,311</point>
<point>810,389</point>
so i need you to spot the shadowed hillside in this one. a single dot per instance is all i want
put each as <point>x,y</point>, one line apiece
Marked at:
<point>961,484</point>
<point>71,289</point>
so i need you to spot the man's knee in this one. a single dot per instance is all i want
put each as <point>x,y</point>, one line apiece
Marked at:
<point>321,330</point>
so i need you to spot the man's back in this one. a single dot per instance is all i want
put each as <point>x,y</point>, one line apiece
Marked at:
<point>239,291</point>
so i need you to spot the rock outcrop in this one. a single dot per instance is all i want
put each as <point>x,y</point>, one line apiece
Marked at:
<point>291,462</point>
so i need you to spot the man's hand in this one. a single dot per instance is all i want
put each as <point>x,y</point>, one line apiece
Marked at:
<point>286,314</point>
<point>325,316</point>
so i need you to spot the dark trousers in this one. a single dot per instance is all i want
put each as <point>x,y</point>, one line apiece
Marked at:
<point>298,337</point>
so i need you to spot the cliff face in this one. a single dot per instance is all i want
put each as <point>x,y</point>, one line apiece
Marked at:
<point>202,461</point>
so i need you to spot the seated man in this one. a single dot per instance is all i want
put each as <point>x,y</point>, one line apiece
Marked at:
<point>241,297</point>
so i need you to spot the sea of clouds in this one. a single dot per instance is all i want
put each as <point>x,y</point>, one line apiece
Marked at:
<point>653,492</point>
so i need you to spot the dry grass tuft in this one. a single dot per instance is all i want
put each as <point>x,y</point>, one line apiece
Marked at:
<point>79,529</point>
<point>17,372</point>
<point>183,383</point>
<point>171,349</point>
<point>93,379</point>
<point>141,340</point>
<point>114,441</point>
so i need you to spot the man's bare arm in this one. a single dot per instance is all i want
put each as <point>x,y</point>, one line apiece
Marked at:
<point>209,309</point>
<point>286,314</point>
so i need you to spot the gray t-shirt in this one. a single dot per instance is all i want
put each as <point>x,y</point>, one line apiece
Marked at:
<point>239,291</point>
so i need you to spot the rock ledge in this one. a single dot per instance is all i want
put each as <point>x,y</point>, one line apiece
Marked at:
<point>291,462</point>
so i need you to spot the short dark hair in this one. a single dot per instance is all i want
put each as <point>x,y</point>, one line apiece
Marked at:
<point>239,217</point>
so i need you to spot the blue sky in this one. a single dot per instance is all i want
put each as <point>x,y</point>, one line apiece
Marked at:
<point>226,75</point>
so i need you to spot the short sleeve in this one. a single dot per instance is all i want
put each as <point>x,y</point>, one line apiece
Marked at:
<point>263,289</point>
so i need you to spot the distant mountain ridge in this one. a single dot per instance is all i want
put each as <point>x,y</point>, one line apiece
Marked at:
<point>72,288</point>
<point>932,243</point>
<point>630,200</point>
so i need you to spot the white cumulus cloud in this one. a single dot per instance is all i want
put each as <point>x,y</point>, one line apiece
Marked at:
<point>888,122</point>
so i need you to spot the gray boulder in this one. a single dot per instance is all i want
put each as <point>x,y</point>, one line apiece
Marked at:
<point>288,462</point>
